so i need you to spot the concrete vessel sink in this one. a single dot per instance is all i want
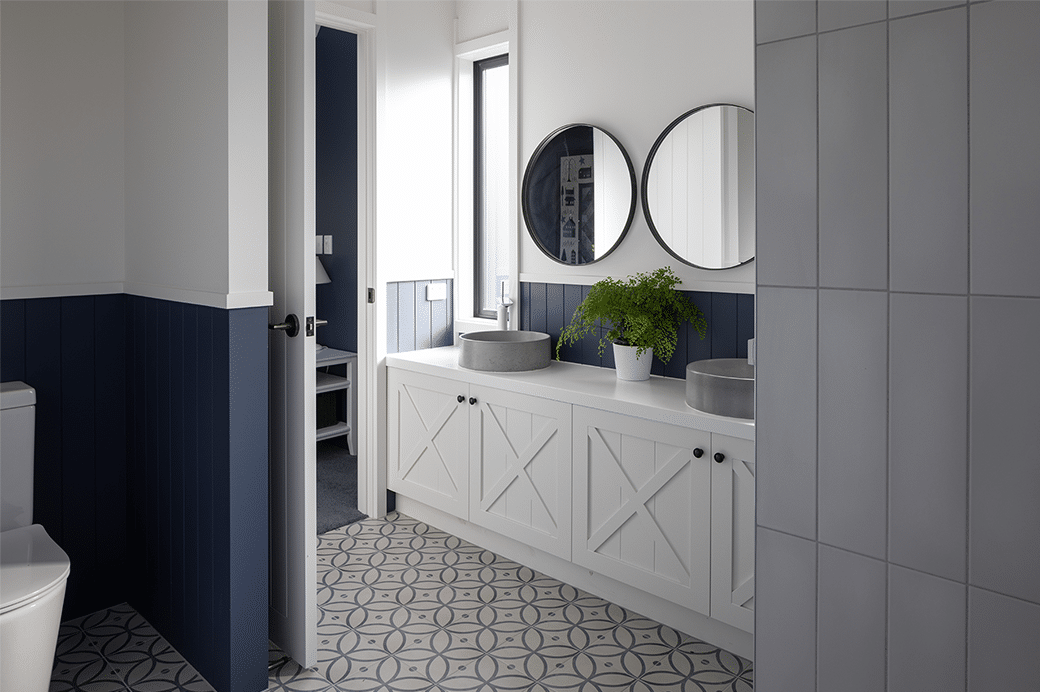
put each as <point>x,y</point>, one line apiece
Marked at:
<point>723,386</point>
<point>504,351</point>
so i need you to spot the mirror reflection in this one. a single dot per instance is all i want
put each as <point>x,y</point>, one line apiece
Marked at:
<point>699,187</point>
<point>579,193</point>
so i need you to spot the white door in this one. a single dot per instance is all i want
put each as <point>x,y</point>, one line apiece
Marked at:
<point>733,531</point>
<point>293,609</point>
<point>642,504</point>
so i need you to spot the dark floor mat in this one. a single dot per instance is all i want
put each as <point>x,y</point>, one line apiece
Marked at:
<point>337,496</point>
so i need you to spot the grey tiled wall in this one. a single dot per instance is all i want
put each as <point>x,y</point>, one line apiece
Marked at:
<point>898,305</point>
<point>414,323</point>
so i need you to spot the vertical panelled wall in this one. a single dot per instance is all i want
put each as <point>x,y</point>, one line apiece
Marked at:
<point>151,464</point>
<point>197,422</point>
<point>414,323</point>
<point>335,183</point>
<point>898,164</point>
<point>731,322</point>
<point>72,350</point>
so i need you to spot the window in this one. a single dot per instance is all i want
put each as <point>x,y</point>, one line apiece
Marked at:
<point>490,183</point>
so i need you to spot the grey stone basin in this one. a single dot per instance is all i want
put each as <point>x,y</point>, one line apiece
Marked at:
<point>723,386</point>
<point>504,351</point>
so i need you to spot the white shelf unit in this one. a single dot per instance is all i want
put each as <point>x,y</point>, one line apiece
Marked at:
<point>325,381</point>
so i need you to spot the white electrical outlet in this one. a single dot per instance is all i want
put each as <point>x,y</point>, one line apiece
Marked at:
<point>328,245</point>
<point>319,244</point>
<point>437,291</point>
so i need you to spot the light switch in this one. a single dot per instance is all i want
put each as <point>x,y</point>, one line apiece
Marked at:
<point>328,245</point>
<point>319,244</point>
<point>438,291</point>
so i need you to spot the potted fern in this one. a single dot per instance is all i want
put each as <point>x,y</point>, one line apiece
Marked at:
<point>644,314</point>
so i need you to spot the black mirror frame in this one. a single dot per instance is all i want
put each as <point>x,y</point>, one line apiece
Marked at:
<point>646,177</point>
<point>524,190</point>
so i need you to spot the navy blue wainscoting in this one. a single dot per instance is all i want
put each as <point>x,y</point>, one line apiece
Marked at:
<point>731,322</point>
<point>72,351</point>
<point>335,183</point>
<point>151,465</point>
<point>197,475</point>
<point>414,323</point>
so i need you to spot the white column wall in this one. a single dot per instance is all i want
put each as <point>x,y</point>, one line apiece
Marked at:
<point>196,162</point>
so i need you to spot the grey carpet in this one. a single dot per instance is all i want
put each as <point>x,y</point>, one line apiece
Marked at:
<point>337,487</point>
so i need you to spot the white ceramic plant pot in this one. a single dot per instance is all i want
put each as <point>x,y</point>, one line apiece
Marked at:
<point>629,367</point>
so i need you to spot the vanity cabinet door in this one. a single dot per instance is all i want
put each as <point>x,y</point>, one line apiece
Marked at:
<point>642,504</point>
<point>428,431</point>
<point>733,532</point>
<point>520,456</point>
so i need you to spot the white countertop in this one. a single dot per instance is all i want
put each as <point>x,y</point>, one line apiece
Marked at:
<point>659,398</point>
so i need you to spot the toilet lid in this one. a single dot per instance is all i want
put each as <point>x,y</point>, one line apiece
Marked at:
<point>30,564</point>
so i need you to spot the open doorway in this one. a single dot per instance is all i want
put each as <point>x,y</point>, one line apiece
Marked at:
<point>336,248</point>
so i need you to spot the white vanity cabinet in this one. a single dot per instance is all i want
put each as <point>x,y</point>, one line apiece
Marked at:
<point>493,457</point>
<point>642,504</point>
<point>615,487</point>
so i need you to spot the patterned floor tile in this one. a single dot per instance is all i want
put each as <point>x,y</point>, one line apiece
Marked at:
<point>79,665</point>
<point>115,650</point>
<point>405,607</point>
<point>286,675</point>
<point>403,603</point>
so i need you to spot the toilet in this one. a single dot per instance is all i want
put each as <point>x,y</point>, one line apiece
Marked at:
<point>33,568</point>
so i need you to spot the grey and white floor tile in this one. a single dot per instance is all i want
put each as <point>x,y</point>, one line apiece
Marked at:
<point>405,607</point>
<point>115,650</point>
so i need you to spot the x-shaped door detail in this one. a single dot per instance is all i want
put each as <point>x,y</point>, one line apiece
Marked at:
<point>745,591</point>
<point>635,500</point>
<point>427,439</point>
<point>516,468</point>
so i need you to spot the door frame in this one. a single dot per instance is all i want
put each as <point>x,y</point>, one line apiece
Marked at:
<point>371,427</point>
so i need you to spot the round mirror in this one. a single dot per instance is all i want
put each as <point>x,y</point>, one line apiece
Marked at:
<point>579,194</point>
<point>699,187</point>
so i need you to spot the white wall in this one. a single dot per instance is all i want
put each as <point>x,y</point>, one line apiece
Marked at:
<point>479,18</point>
<point>61,132</point>
<point>246,126</point>
<point>415,158</point>
<point>630,68</point>
<point>196,162</point>
<point>134,150</point>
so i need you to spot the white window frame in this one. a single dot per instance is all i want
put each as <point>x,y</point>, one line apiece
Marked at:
<point>466,54</point>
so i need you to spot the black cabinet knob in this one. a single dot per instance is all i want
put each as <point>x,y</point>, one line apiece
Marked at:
<point>720,457</point>
<point>461,398</point>
<point>698,452</point>
<point>472,400</point>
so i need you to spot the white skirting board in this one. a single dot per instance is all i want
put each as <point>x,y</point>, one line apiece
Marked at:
<point>687,621</point>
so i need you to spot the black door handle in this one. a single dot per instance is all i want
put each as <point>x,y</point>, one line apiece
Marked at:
<point>291,326</point>
<point>720,457</point>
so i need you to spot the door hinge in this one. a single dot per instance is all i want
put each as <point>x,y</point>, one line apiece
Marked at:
<point>371,295</point>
